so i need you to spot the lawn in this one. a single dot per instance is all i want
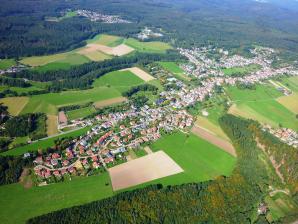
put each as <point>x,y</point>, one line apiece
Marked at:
<point>80,113</point>
<point>44,144</point>
<point>199,159</point>
<point>15,104</point>
<point>48,103</point>
<point>7,63</point>
<point>148,47</point>
<point>241,71</point>
<point>18,204</point>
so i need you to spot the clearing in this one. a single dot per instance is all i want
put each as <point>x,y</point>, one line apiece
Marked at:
<point>140,73</point>
<point>144,169</point>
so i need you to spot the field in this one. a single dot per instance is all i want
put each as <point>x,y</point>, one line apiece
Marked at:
<point>109,102</point>
<point>261,105</point>
<point>15,104</point>
<point>119,50</point>
<point>52,128</point>
<point>290,102</point>
<point>144,169</point>
<point>199,159</point>
<point>291,82</point>
<point>241,71</point>
<point>140,73</point>
<point>6,63</point>
<point>43,144</point>
<point>17,204</point>
<point>80,113</point>
<point>175,70</point>
<point>148,47</point>
<point>107,40</point>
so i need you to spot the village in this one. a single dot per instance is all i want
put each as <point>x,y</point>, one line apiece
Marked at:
<point>95,16</point>
<point>113,135</point>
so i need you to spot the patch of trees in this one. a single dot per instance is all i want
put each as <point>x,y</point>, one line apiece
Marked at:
<point>223,200</point>
<point>136,89</point>
<point>3,113</point>
<point>111,109</point>
<point>11,168</point>
<point>33,125</point>
<point>5,81</point>
<point>250,86</point>
<point>75,107</point>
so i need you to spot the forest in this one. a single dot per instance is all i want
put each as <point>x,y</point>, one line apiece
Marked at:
<point>231,199</point>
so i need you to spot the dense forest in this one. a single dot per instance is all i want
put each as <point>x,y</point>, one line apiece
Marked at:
<point>232,24</point>
<point>231,199</point>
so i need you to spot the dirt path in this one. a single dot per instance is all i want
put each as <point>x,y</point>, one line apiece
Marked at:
<point>225,145</point>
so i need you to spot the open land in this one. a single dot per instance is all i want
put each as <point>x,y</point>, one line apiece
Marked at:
<point>15,104</point>
<point>148,47</point>
<point>290,102</point>
<point>49,198</point>
<point>52,128</point>
<point>109,102</point>
<point>6,63</point>
<point>175,70</point>
<point>144,169</point>
<point>223,144</point>
<point>140,73</point>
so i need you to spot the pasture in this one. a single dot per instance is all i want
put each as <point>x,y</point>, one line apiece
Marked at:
<point>199,159</point>
<point>45,143</point>
<point>7,63</point>
<point>18,204</point>
<point>290,102</point>
<point>291,82</point>
<point>261,105</point>
<point>148,47</point>
<point>107,40</point>
<point>15,104</point>
<point>79,113</point>
<point>175,70</point>
<point>144,169</point>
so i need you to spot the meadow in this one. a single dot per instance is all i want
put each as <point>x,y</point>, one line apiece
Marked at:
<point>18,204</point>
<point>43,144</point>
<point>7,63</point>
<point>200,160</point>
<point>241,71</point>
<point>291,82</point>
<point>148,47</point>
<point>15,104</point>
<point>290,102</point>
<point>175,70</point>
<point>80,113</point>
<point>261,105</point>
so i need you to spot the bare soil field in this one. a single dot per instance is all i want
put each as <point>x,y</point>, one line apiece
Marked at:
<point>52,125</point>
<point>104,103</point>
<point>140,73</point>
<point>144,169</point>
<point>62,118</point>
<point>120,50</point>
<point>225,145</point>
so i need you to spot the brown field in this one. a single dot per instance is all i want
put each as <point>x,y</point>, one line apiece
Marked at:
<point>290,102</point>
<point>104,103</point>
<point>52,127</point>
<point>120,50</point>
<point>144,169</point>
<point>15,104</point>
<point>62,118</point>
<point>140,73</point>
<point>223,144</point>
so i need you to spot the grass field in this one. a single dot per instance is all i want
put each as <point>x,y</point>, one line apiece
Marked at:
<point>43,144</point>
<point>120,80</point>
<point>199,159</point>
<point>19,89</point>
<point>175,70</point>
<point>18,204</point>
<point>241,71</point>
<point>290,102</point>
<point>261,105</point>
<point>107,40</point>
<point>7,63</point>
<point>15,104</point>
<point>80,113</point>
<point>291,82</point>
<point>52,128</point>
<point>148,47</point>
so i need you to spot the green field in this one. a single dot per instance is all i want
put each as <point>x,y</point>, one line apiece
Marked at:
<point>18,204</point>
<point>199,159</point>
<point>241,71</point>
<point>175,70</point>
<point>148,47</point>
<point>15,104</point>
<point>6,63</point>
<point>291,82</point>
<point>44,144</point>
<point>107,40</point>
<point>120,80</point>
<point>80,113</point>
<point>261,105</point>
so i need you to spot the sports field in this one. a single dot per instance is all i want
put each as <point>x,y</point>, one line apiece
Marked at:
<point>147,168</point>
<point>44,144</point>
<point>261,105</point>
<point>18,204</point>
